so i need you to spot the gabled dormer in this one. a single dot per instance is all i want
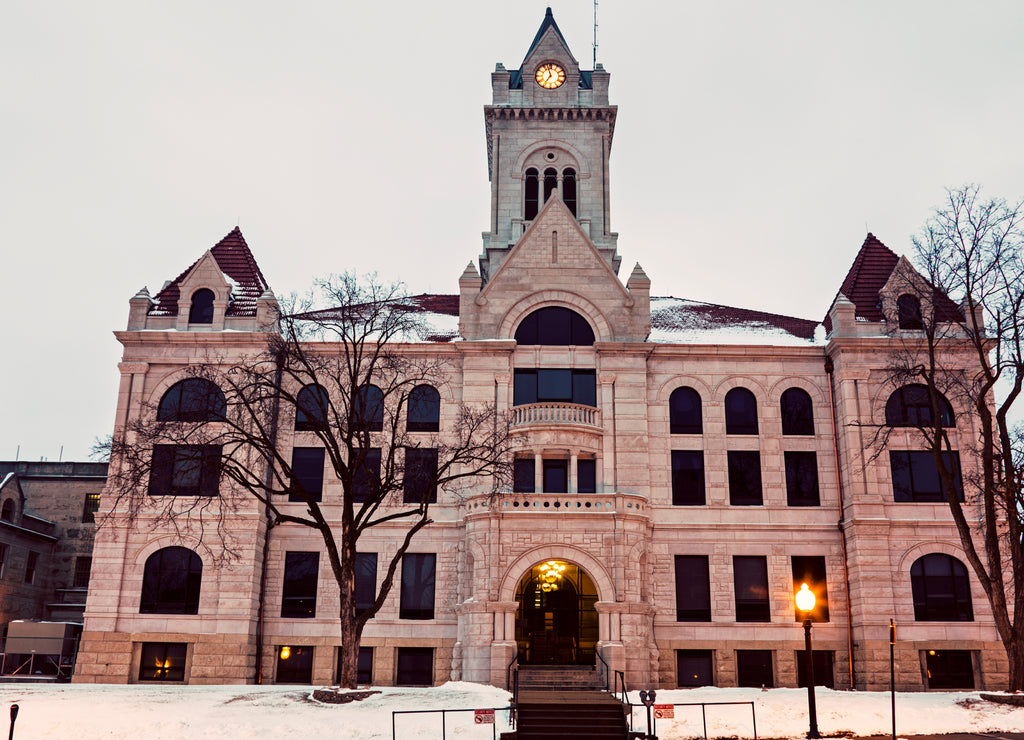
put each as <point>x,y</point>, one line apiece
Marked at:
<point>223,289</point>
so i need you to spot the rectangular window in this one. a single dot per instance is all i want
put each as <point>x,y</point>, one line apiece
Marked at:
<point>185,470</point>
<point>744,478</point>
<point>693,589</point>
<point>308,469</point>
<point>364,669</point>
<point>415,667</point>
<point>30,567</point>
<point>301,570</point>
<point>366,477</point>
<point>3,558</point>
<point>419,483</point>
<point>417,597</point>
<point>949,669</point>
<point>82,567</point>
<point>688,478</point>
<point>366,580</point>
<point>694,668</point>
<point>162,661</point>
<point>810,569</point>
<point>915,477</point>
<point>524,475</point>
<point>586,476</point>
<point>556,476</point>
<point>754,669</point>
<point>823,671</point>
<point>750,577</point>
<point>802,479</point>
<point>550,385</point>
<point>294,664</point>
<point>92,505</point>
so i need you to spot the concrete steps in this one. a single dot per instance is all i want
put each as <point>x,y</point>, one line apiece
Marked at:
<point>559,678</point>
<point>570,714</point>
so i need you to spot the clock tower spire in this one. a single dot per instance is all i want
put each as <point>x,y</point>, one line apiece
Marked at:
<point>549,132</point>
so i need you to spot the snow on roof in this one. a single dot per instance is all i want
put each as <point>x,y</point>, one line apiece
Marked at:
<point>681,321</point>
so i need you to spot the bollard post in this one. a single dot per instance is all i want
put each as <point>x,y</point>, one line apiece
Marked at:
<point>14,716</point>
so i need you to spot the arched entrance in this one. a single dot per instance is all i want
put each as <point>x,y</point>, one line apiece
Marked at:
<point>556,623</point>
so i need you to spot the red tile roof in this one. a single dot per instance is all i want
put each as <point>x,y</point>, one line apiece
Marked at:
<point>868,275</point>
<point>236,261</point>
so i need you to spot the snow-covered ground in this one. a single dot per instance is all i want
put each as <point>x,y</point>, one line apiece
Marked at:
<point>81,712</point>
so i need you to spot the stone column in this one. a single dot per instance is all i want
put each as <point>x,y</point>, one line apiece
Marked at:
<point>503,644</point>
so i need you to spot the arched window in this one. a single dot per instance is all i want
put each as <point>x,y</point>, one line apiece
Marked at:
<point>532,195</point>
<point>201,310</point>
<point>942,591</point>
<point>192,399</point>
<point>311,408</point>
<point>424,409</point>
<point>550,182</point>
<point>684,411</point>
<point>908,310</point>
<point>368,415</point>
<point>555,326</point>
<point>909,407</point>
<point>569,188</point>
<point>797,412</point>
<point>740,412</point>
<point>171,582</point>
<point>7,512</point>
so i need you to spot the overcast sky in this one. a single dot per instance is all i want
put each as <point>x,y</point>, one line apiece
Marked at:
<point>756,144</point>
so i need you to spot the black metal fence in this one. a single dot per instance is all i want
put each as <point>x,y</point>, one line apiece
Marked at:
<point>443,712</point>
<point>652,730</point>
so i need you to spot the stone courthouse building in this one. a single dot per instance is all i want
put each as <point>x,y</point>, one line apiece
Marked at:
<point>680,467</point>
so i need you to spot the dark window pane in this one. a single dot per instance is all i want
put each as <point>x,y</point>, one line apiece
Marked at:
<point>301,570</point>
<point>941,589</point>
<point>192,400</point>
<point>415,666</point>
<point>532,195</point>
<point>694,668</point>
<point>308,467</point>
<point>311,409</point>
<point>910,406</point>
<point>424,409</point>
<point>294,664</point>
<point>171,582</point>
<point>810,569</point>
<point>554,385</point>
<point>201,309</point>
<point>693,589</point>
<point>797,412</point>
<point>366,477</point>
<point>162,661</point>
<point>684,409</point>
<point>750,577</point>
<point>417,593</point>
<point>524,475</point>
<point>802,479</point>
<point>419,482</point>
<point>740,412</point>
<point>550,183</point>
<point>744,478</point>
<point>556,476</point>
<point>30,567</point>
<point>92,505</point>
<point>688,478</point>
<point>824,674</point>
<point>584,387</point>
<point>586,472</point>
<point>915,476</point>
<point>524,389</point>
<point>949,669</point>
<point>364,669</point>
<point>185,470</point>
<point>569,189</point>
<point>366,580</point>
<point>908,310</point>
<point>368,414</point>
<point>555,326</point>
<point>754,668</point>
<point>83,565</point>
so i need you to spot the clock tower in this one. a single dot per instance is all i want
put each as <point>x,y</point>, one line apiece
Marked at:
<point>549,133</point>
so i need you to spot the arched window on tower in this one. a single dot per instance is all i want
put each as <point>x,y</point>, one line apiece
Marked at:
<point>311,408</point>
<point>424,409</point>
<point>910,406</point>
<point>569,189</point>
<point>192,400</point>
<point>555,326</point>
<point>171,582</point>
<point>550,182</point>
<point>532,197</point>
<point>908,311</point>
<point>201,310</point>
<point>942,591</point>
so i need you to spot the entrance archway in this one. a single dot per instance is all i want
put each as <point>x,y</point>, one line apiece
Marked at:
<point>556,622</point>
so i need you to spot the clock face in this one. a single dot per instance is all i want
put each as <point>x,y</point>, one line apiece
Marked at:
<point>550,75</point>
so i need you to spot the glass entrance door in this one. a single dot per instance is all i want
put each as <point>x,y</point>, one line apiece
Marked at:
<point>556,623</point>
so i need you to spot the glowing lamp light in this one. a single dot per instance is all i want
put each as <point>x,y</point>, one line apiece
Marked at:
<point>286,652</point>
<point>804,598</point>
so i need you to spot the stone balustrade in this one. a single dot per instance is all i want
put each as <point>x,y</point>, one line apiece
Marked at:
<point>572,414</point>
<point>556,503</point>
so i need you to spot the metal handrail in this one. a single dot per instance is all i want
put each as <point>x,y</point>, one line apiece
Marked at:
<point>512,684</point>
<point>620,679</point>
<point>508,670</point>
<point>607,672</point>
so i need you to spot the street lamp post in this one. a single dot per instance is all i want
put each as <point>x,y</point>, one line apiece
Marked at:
<point>805,603</point>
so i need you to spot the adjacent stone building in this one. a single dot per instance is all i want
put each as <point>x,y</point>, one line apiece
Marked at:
<point>680,467</point>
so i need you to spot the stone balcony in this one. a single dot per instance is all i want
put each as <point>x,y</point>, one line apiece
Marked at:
<point>556,414</point>
<point>554,504</point>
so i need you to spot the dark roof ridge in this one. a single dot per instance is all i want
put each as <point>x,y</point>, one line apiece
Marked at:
<point>548,22</point>
<point>734,308</point>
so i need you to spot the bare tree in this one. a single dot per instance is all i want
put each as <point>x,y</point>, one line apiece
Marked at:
<point>972,250</point>
<point>333,370</point>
